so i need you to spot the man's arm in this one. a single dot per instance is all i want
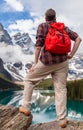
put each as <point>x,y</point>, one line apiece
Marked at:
<point>37,53</point>
<point>75,47</point>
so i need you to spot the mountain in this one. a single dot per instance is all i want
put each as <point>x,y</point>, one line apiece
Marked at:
<point>19,69</point>
<point>3,71</point>
<point>17,56</point>
<point>76,67</point>
<point>25,42</point>
<point>22,40</point>
<point>6,84</point>
<point>4,36</point>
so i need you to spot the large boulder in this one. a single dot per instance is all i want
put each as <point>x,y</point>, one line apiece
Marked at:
<point>11,119</point>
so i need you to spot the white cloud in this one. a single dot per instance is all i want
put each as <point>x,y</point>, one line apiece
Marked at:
<point>14,5</point>
<point>13,54</point>
<point>9,52</point>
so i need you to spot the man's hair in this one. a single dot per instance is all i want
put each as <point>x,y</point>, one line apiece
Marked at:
<point>50,15</point>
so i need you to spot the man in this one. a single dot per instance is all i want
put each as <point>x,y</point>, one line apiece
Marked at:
<point>49,63</point>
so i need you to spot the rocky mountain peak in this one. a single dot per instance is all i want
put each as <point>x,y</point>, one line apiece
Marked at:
<point>4,36</point>
<point>3,70</point>
<point>22,39</point>
<point>25,42</point>
<point>1,26</point>
<point>1,29</point>
<point>1,65</point>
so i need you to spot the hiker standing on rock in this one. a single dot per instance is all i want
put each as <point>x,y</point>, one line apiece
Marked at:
<point>50,62</point>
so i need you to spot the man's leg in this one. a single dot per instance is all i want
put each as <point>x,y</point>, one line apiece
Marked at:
<point>33,78</point>
<point>60,78</point>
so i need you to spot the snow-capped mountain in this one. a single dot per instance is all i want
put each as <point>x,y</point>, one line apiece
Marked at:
<point>76,67</point>
<point>19,69</point>
<point>24,41</point>
<point>18,56</point>
<point>4,36</point>
<point>16,53</point>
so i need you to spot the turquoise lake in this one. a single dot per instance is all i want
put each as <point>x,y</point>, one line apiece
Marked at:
<point>43,107</point>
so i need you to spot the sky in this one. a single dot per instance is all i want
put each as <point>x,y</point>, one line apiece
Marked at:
<point>26,15</point>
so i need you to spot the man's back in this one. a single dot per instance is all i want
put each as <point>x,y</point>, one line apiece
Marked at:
<point>46,57</point>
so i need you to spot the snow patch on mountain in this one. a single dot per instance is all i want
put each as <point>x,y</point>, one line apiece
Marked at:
<point>76,67</point>
<point>19,68</point>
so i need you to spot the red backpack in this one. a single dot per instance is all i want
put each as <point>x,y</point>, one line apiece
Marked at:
<point>57,40</point>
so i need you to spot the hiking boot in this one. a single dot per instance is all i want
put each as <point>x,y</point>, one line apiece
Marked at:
<point>63,123</point>
<point>25,111</point>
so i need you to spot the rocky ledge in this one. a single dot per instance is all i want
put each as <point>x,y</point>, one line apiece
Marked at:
<point>11,119</point>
